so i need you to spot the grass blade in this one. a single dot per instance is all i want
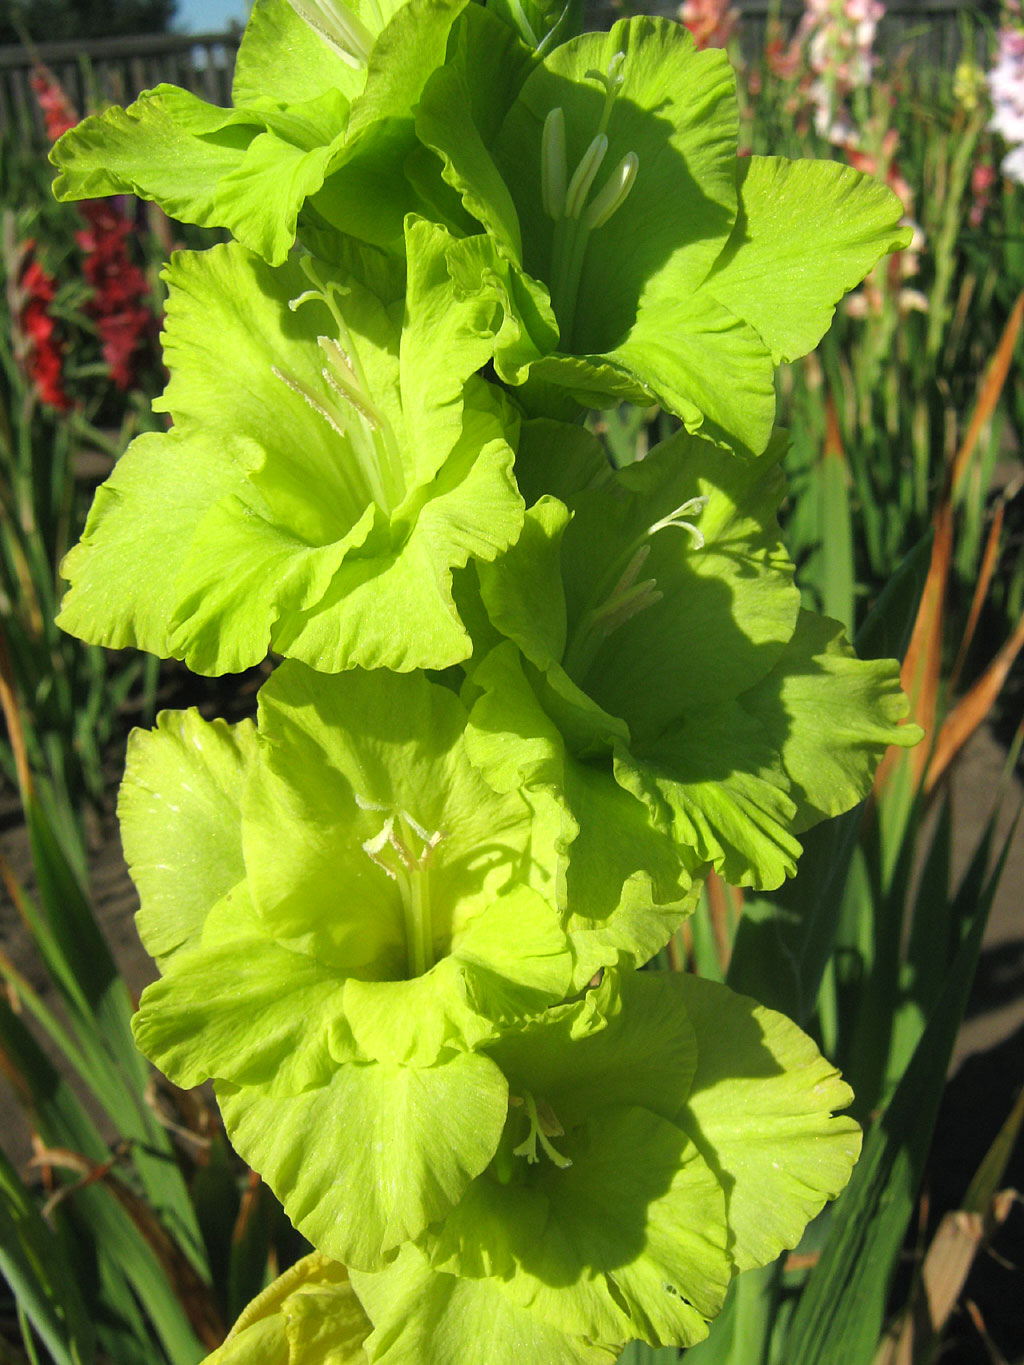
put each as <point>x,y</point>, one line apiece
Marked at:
<point>840,1315</point>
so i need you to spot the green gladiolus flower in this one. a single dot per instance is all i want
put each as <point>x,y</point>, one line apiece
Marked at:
<point>675,684</point>
<point>677,272</point>
<point>333,457</point>
<point>352,915</point>
<point>323,111</point>
<point>663,1135</point>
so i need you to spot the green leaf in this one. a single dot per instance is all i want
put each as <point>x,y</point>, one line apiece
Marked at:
<point>396,1148</point>
<point>806,233</point>
<point>36,1268</point>
<point>841,1311</point>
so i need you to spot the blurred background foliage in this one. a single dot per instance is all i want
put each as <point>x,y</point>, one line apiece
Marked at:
<point>134,1234</point>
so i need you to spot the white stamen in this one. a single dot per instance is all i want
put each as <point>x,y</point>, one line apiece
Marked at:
<point>552,164</point>
<point>314,403</point>
<point>583,176</point>
<point>338,27</point>
<point>614,193</point>
<point>375,846</point>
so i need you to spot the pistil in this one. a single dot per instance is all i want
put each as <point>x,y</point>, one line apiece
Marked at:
<point>543,1126</point>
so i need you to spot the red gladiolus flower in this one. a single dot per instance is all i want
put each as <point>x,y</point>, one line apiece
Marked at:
<point>42,351</point>
<point>122,319</point>
<point>59,114</point>
<point>117,306</point>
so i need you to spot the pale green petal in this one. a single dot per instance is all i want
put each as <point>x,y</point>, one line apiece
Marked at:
<point>832,716</point>
<point>628,887</point>
<point>247,1011</point>
<point>457,118</point>
<point>411,45</point>
<point>806,233</point>
<point>260,199</point>
<point>422,1315</point>
<point>179,816</point>
<point>229,328</point>
<point>761,1111</point>
<point>623,886</point>
<point>510,961</point>
<point>123,572</point>
<point>169,146</point>
<point>718,614</point>
<point>721,779</point>
<point>627,1042</point>
<point>243,581</point>
<point>522,590</point>
<point>560,459</point>
<point>307,70</point>
<point>593,381</point>
<point>705,364</point>
<point>342,756</point>
<point>395,1149</point>
<point>249,169</point>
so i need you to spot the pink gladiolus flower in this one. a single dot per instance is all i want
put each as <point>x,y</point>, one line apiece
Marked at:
<point>1006,86</point>
<point>712,22</point>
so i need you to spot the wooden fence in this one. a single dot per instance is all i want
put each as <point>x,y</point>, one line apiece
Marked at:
<point>115,70</point>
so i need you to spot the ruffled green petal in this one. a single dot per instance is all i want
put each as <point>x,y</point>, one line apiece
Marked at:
<point>634,1237</point>
<point>395,1148</point>
<point>806,233</point>
<point>761,1111</point>
<point>419,1314</point>
<point>246,1011</point>
<point>122,574</point>
<point>831,716</point>
<point>178,810</point>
